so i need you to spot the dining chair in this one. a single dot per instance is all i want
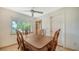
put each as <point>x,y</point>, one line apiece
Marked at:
<point>20,41</point>
<point>53,44</point>
<point>43,32</point>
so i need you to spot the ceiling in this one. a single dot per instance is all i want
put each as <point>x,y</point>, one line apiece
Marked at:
<point>25,10</point>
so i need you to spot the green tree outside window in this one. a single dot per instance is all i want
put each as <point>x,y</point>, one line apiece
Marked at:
<point>24,26</point>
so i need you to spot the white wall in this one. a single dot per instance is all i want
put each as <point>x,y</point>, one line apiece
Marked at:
<point>5,27</point>
<point>70,28</point>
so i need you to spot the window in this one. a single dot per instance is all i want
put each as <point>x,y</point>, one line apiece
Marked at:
<point>20,25</point>
<point>14,26</point>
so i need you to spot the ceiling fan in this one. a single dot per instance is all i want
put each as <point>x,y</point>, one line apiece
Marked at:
<point>33,11</point>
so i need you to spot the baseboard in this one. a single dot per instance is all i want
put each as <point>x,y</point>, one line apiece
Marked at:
<point>8,45</point>
<point>60,45</point>
<point>67,48</point>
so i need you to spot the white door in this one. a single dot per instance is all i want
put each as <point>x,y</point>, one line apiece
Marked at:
<point>58,23</point>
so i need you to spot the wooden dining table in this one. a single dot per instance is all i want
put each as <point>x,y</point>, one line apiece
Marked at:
<point>37,42</point>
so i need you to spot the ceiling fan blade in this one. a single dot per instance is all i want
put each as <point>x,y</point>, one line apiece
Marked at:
<point>27,10</point>
<point>39,12</point>
<point>36,11</point>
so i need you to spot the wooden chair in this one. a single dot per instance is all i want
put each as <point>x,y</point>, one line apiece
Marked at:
<point>53,44</point>
<point>43,32</point>
<point>20,41</point>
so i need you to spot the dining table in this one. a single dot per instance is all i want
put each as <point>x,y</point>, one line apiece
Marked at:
<point>37,42</point>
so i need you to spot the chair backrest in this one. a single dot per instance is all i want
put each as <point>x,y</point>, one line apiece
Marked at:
<point>42,32</point>
<point>20,40</point>
<point>53,43</point>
